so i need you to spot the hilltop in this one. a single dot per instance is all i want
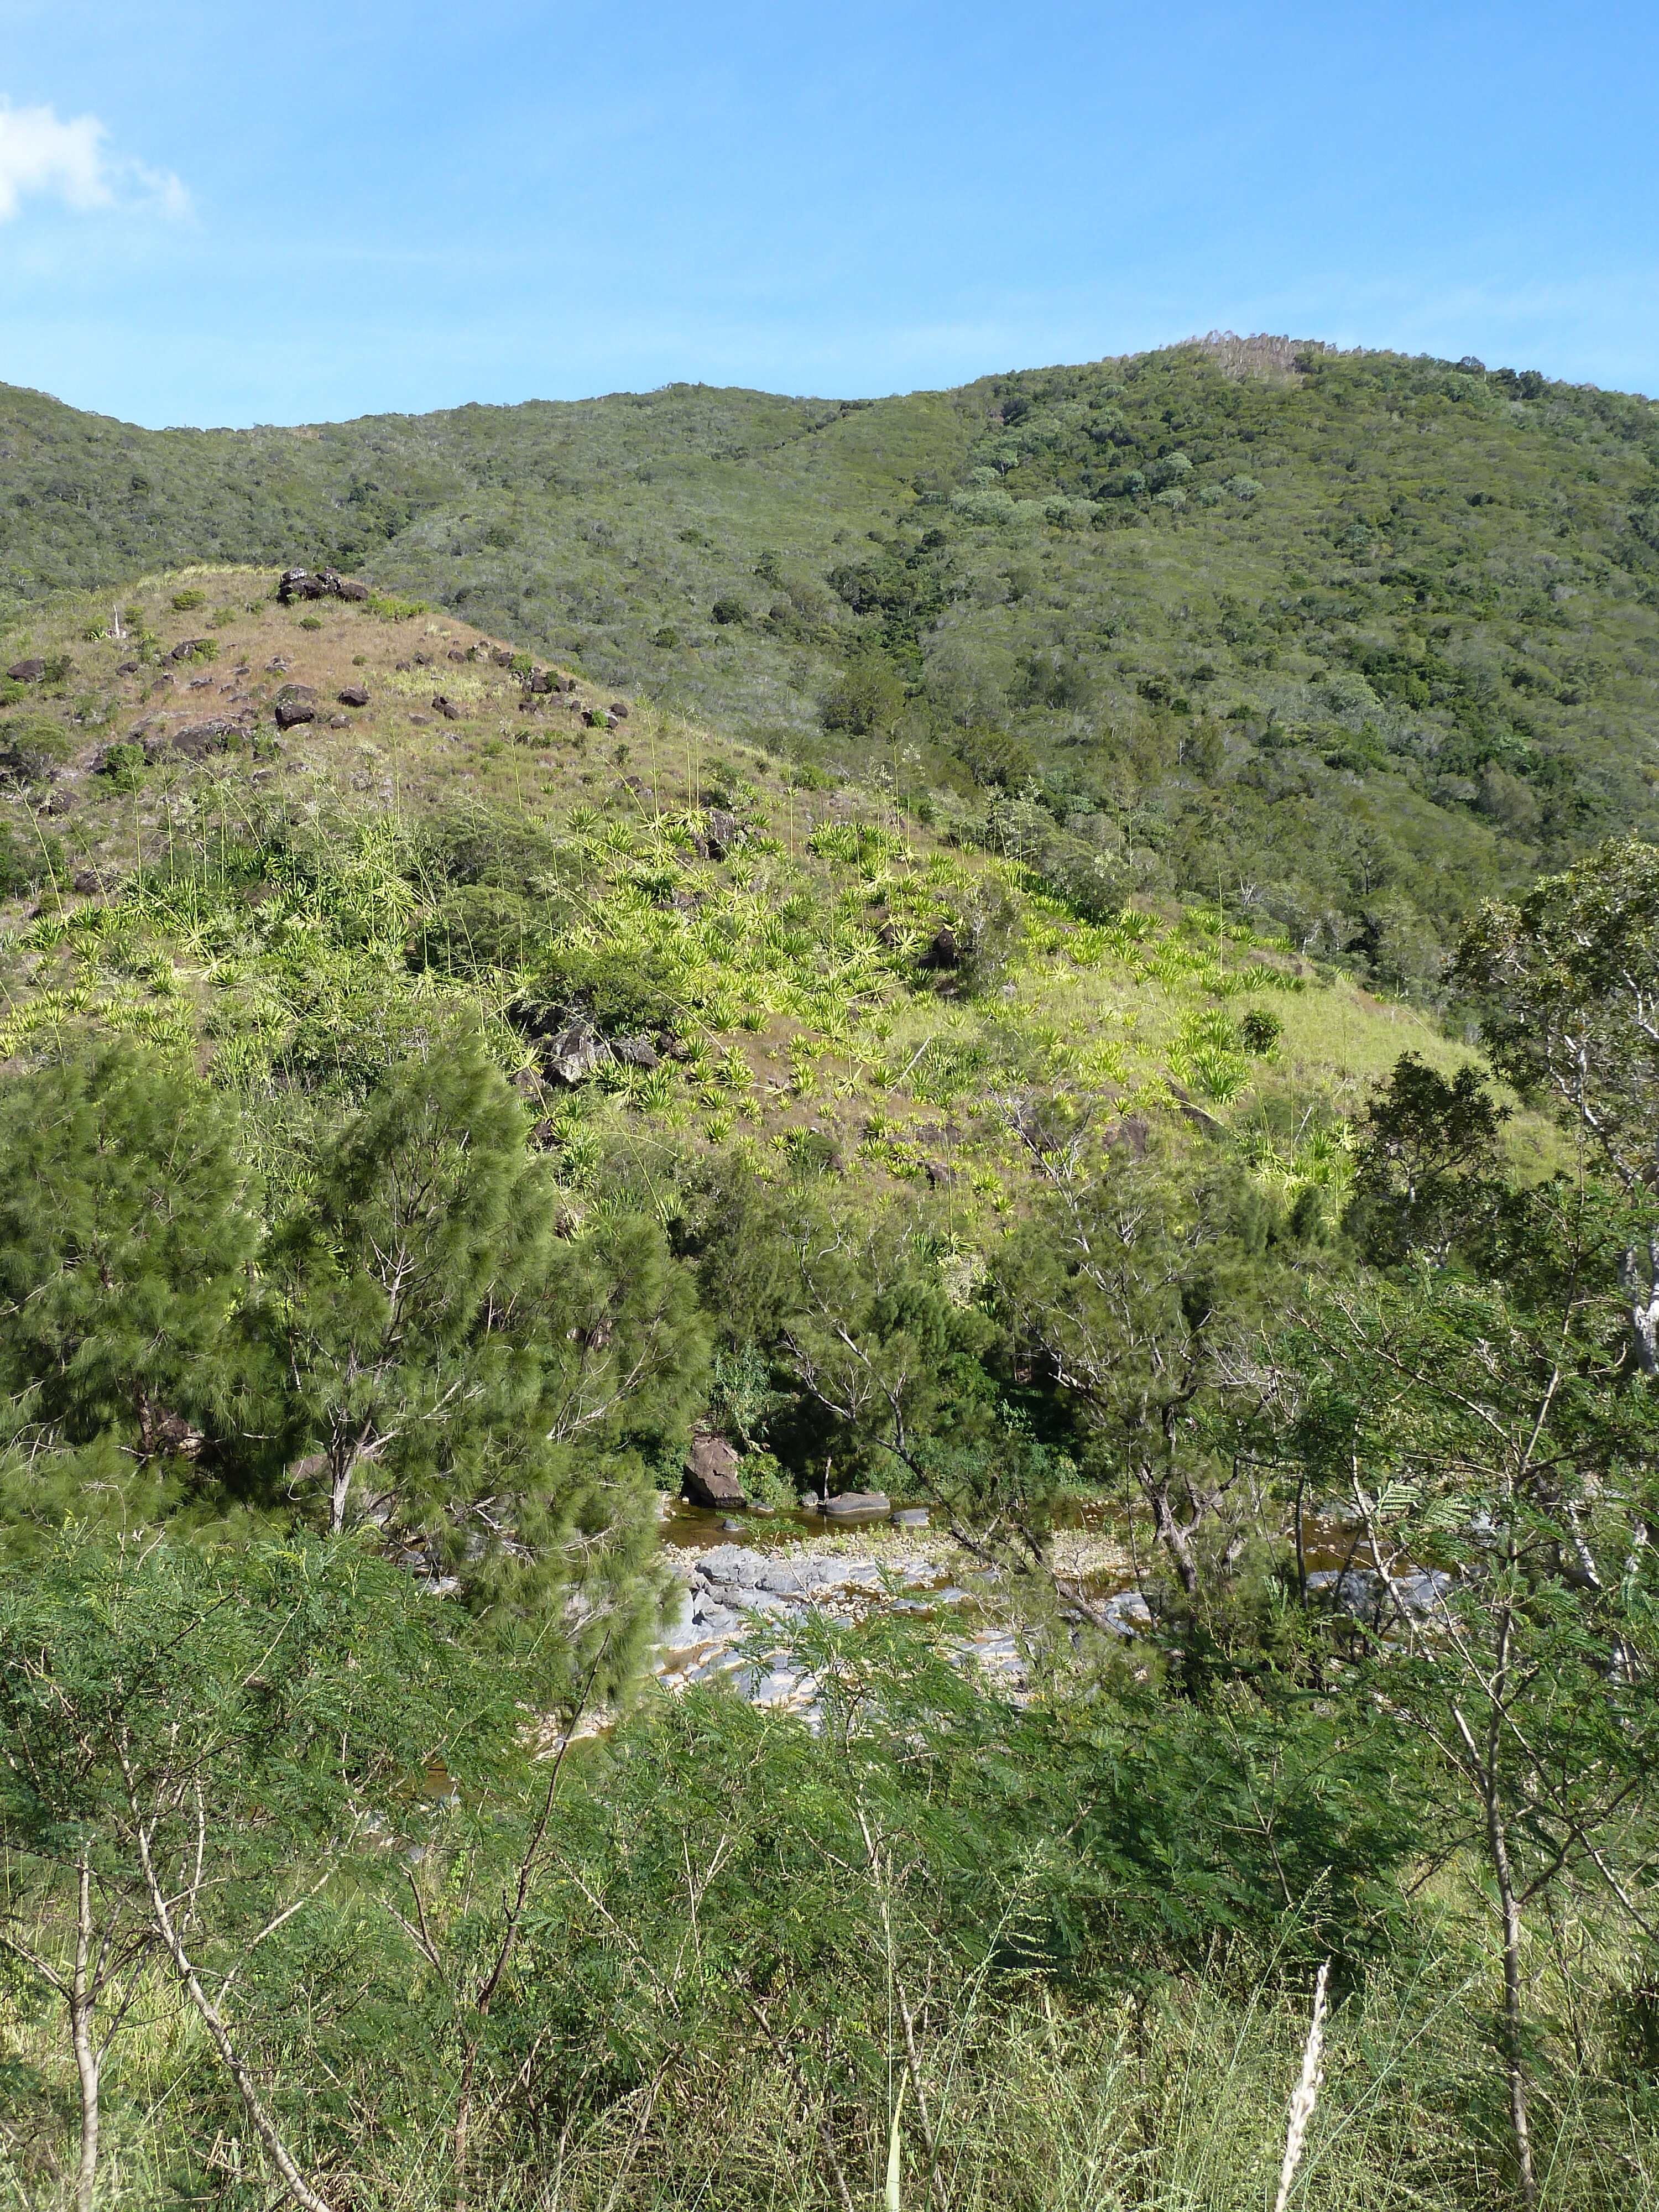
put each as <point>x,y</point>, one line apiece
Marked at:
<point>1345,640</point>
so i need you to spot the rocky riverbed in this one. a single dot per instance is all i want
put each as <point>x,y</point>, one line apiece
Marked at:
<point>778,1575</point>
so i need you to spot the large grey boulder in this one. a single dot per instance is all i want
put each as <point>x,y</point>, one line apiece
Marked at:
<point>711,1473</point>
<point>856,1501</point>
<point>735,1564</point>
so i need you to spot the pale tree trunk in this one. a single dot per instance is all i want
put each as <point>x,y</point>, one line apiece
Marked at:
<point>1643,1301</point>
<point>1513,2057</point>
<point>1484,1772</point>
<point>81,2001</point>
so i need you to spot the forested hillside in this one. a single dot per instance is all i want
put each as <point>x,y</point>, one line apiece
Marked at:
<point>1072,957</point>
<point>1342,639</point>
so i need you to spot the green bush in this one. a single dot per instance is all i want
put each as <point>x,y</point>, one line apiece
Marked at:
<point>124,764</point>
<point>184,602</point>
<point>33,748</point>
<point>622,994</point>
<point>476,928</point>
<point>869,697</point>
<point>23,865</point>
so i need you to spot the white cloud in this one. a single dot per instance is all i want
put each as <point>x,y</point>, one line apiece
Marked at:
<point>71,163</point>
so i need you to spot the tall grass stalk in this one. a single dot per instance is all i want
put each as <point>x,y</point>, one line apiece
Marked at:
<point>1306,2093</point>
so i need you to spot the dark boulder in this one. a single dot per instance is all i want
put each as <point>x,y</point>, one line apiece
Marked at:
<point>199,739</point>
<point>26,672</point>
<point>188,648</point>
<point>943,951</point>
<point>711,1473</point>
<point>502,656</point>
<point>636,1051</point>
<point>723,832</point>
<point>856,1501</point>
<point>544,681</point>
<point>354,695</point>
<point>290,713</point>
<point>619,709</point>
<point>446,707</point>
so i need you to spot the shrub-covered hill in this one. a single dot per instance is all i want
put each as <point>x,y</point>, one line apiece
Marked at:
<point>1344,640</point>
<point>677,943</point>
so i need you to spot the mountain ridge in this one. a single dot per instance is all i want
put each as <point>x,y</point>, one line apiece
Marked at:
<point>1348,639</point>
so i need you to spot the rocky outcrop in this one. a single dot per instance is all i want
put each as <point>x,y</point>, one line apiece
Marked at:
<point>326,584</point>
<point>573,1053</point>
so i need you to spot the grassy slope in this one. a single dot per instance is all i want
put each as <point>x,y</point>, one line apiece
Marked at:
<point>1419,664</point>
<point>291,912</point>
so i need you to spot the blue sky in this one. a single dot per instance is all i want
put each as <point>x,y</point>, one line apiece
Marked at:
<point>213,215</point>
